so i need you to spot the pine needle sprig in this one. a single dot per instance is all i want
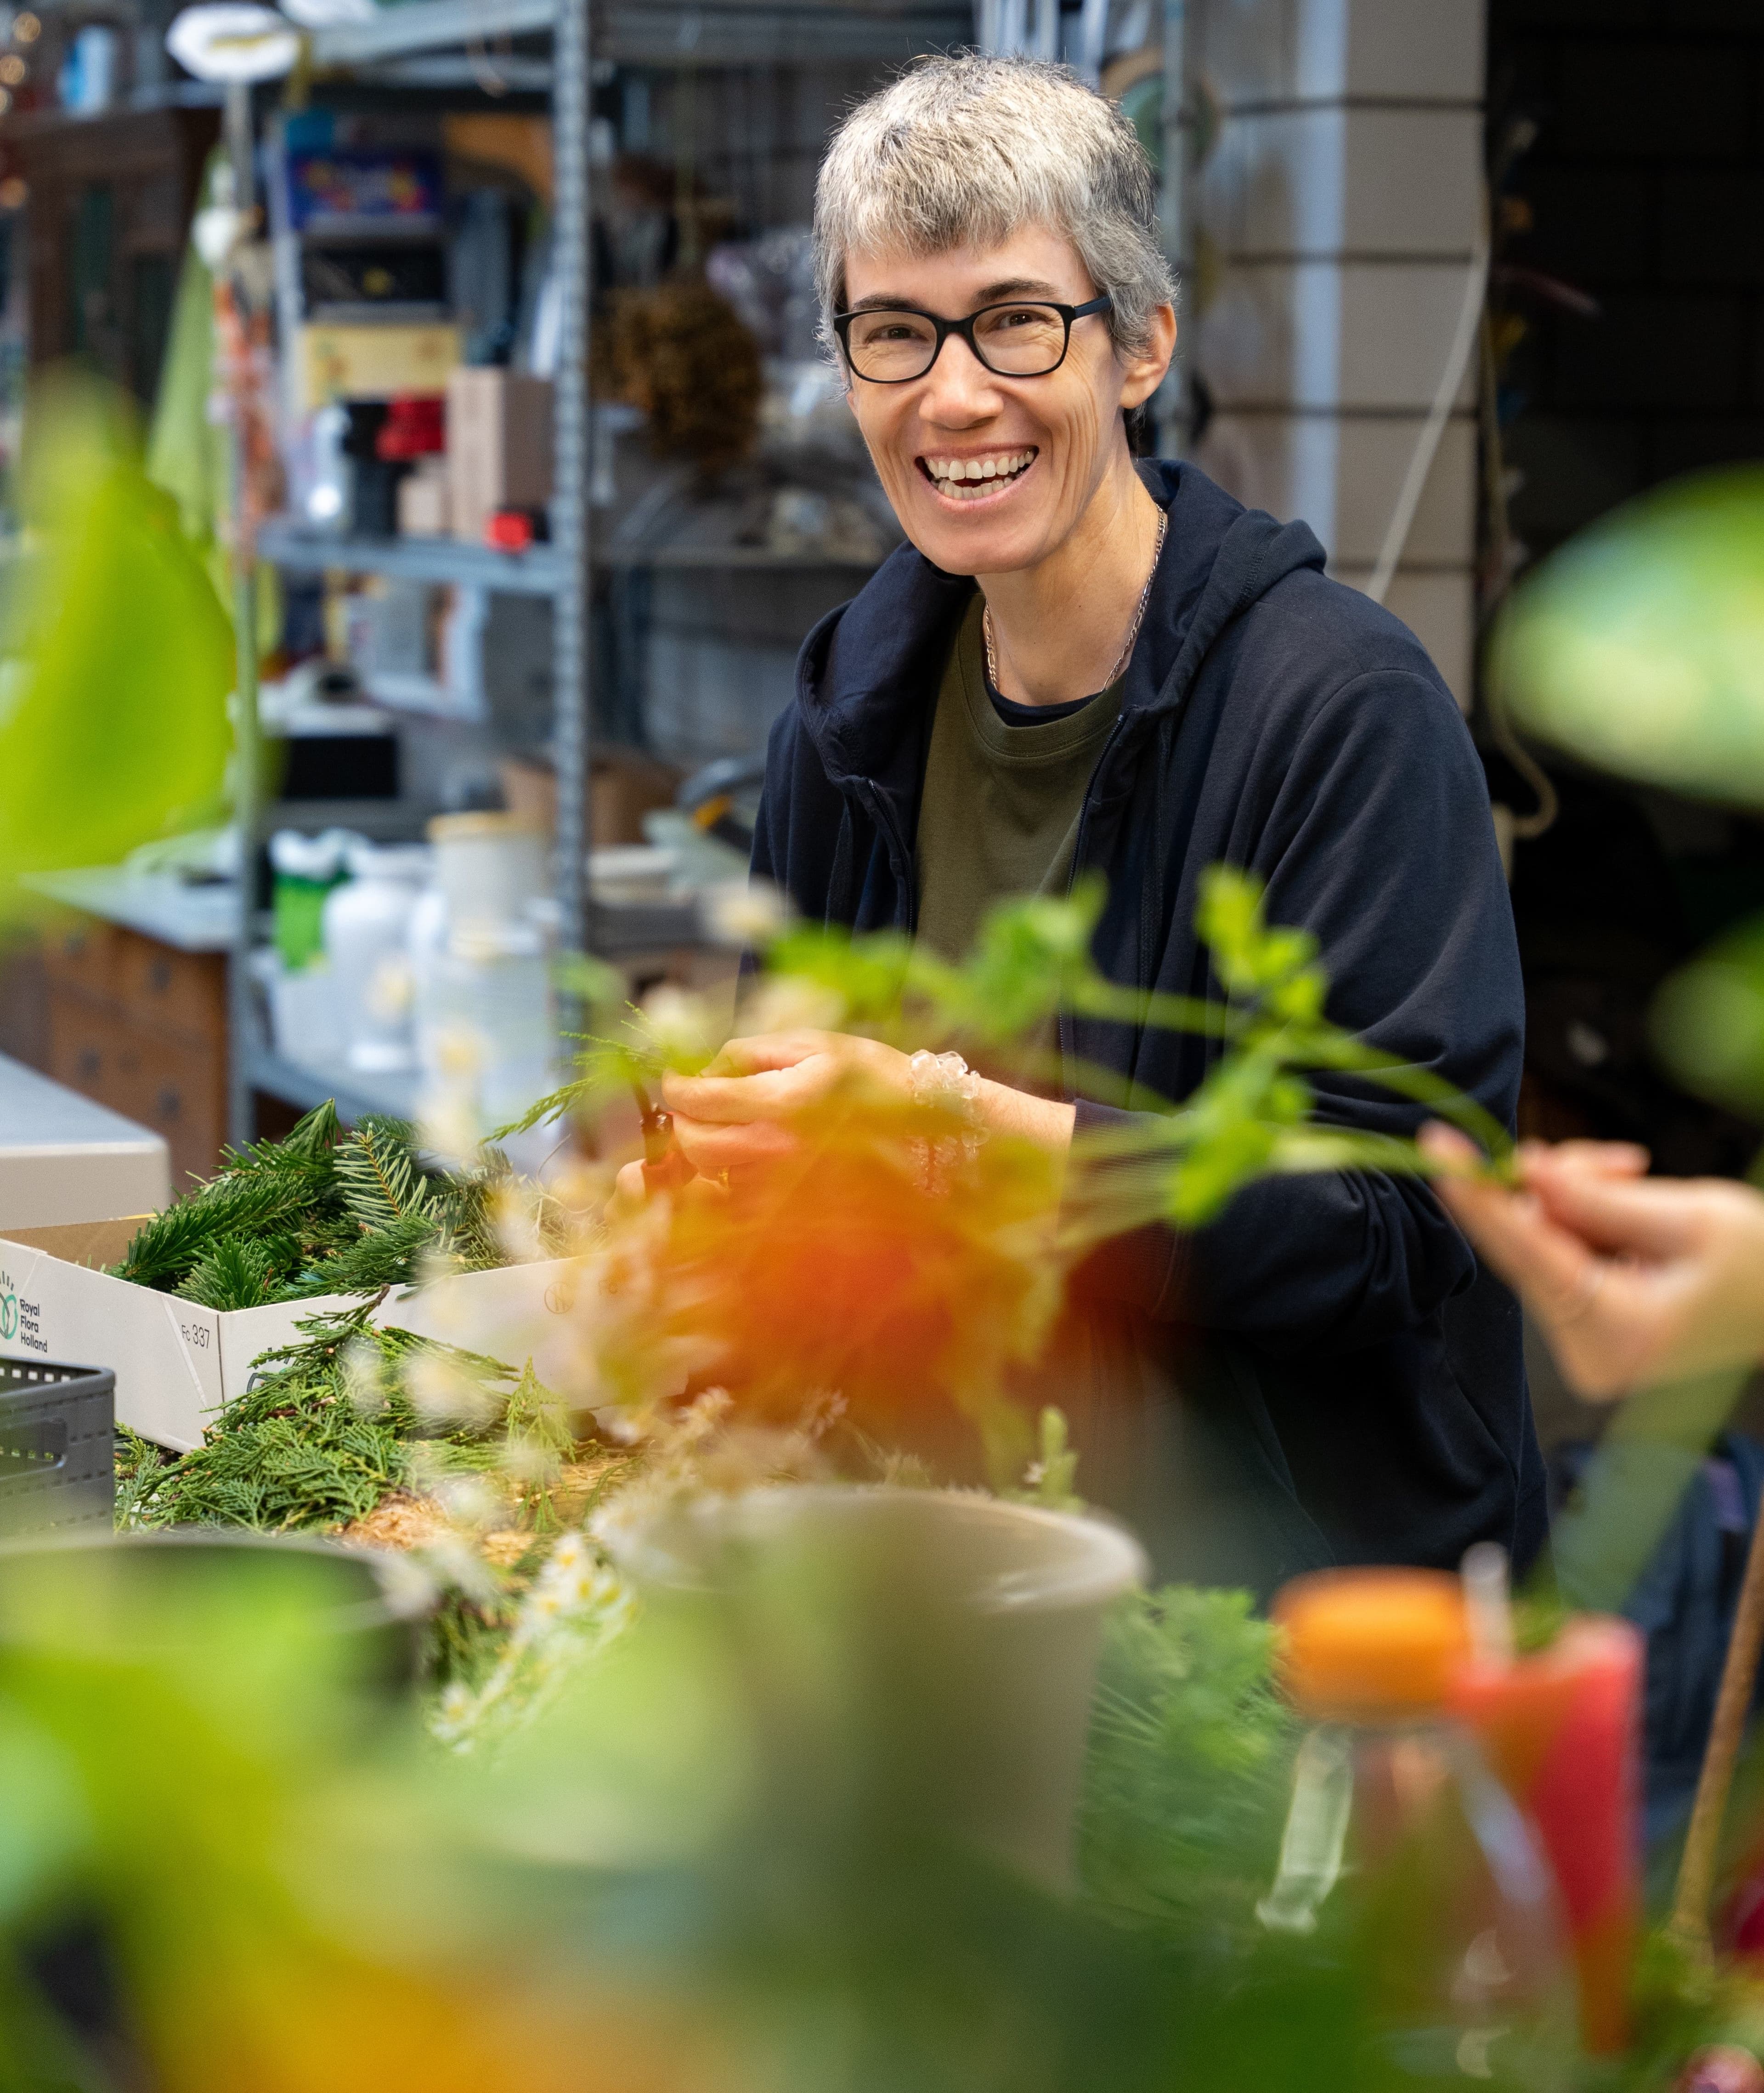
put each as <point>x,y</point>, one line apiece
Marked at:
<point>268,1187</point>
<point>167,1248</point>
<point>310,1141</point>
<point>234,1273</point>
<point>380,1178</point>
<point>370,1262</point>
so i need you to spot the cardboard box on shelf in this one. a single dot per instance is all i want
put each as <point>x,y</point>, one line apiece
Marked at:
<point>624,785</point>
<point>177,1365</point>
<point>338,360</point>
<point>423,509</point>
<point>498,445</point>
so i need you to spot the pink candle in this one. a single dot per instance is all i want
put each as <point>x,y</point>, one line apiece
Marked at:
<point>1561,1730</point>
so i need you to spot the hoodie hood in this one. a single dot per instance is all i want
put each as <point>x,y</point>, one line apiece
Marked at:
<point>869,674</point>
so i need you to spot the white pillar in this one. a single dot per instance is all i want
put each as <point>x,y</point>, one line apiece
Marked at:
<point>1339,213</point>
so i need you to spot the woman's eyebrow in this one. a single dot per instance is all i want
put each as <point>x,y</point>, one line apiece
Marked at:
<point>1019,287</point>
<point>1014,286</point>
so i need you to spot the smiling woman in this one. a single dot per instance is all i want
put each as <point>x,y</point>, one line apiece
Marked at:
<point>989,270</point>
<point>1082,665</point>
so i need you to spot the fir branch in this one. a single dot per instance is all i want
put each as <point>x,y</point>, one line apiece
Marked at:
<point>167,1248</point>
<point>379,1177</point>
<point>391,1256</point>
<point>232,1274</point>
<point>310,1141</point>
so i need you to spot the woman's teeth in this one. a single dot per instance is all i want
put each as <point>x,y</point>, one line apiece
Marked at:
<point>966,479</point>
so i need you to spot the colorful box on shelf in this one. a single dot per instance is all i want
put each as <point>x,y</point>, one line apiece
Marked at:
<point>177,1365</point>
<point>339,360</point>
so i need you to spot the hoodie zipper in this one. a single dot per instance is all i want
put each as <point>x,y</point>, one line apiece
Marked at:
<point>1063,1025</point>
<point>900,856</point>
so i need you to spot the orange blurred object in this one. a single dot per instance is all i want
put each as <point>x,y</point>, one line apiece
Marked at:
<point>1562,1730</point>
<point>890,1260</point>
<point>1362,1646</point>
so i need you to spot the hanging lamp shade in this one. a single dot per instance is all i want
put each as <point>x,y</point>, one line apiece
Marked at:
<point>231,42</point>
<point>1639,646</point>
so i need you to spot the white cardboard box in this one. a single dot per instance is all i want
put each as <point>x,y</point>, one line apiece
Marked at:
<point>177,1365</point>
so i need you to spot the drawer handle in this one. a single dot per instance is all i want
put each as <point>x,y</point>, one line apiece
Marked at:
<point>170,1104</point>
<point>159,976</point>
<point>89,1063</point>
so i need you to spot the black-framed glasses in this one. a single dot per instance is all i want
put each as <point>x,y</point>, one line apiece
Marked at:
<point>1024,338</point>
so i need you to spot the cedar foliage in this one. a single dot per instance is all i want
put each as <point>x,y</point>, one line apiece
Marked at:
<point>302,1449</point>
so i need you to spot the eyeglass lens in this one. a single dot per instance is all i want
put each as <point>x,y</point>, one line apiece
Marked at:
<point>1016,341</point>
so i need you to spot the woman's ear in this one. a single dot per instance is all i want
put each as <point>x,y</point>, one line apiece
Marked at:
<point>1145,371</point>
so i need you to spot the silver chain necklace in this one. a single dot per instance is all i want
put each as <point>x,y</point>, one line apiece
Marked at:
<point>1125,655</point>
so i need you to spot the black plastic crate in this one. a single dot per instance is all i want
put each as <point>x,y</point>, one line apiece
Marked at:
<point>58,1446</point>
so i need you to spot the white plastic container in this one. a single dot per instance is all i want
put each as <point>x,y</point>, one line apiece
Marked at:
<point>481,967</point>
<point>966,1633</point>
<point>305,1022</point>
<point>367,935</point>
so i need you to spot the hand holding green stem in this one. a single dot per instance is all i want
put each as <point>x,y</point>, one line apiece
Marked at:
<point>1252,1116</point>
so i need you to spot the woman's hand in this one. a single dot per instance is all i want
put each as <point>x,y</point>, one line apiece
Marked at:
<point>739,1111</point>
<point>1632,1279</point>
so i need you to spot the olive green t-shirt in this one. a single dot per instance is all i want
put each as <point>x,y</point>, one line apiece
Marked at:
<point>999,812</point>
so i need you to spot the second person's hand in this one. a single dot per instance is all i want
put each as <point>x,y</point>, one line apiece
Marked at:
<point>1631,1279</point>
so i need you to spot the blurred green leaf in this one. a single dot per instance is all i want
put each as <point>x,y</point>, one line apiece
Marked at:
<point>1708,1022</point>
<point>1185,1786</point>
<point>118,655</point>
<point>1639,646</point>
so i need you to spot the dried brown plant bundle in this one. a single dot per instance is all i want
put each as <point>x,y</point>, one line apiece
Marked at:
<point>683,355</point>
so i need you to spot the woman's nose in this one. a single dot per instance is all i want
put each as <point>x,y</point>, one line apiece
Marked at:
<point>959,389</point>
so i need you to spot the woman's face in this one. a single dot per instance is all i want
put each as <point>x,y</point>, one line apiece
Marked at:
<point>1048,441</point>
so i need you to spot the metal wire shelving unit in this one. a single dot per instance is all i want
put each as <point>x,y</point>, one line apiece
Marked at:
<point>550,40</point>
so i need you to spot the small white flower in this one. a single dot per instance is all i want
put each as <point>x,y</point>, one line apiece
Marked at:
<point>746,912</point>
<point>364,1376</point>
<point>442,1396</point>
<point>786,1002</point>
<point>450,1126</point>
<point>460,1052</point>
<point>467,1502</point>
<point>678,1023</point>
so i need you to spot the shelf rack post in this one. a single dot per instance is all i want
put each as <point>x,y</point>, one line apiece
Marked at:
<point>1174,207</point>
<point>570,235</point>
<point>247,752</point>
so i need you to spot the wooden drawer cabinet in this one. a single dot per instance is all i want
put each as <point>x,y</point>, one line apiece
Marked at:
<point>182,994</point>
<point>141,1027</point>
<point>87,954</point>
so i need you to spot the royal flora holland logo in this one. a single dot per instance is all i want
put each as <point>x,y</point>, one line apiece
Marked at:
<point>21,1322</point>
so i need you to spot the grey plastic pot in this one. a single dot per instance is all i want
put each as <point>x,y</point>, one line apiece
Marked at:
<point>910,1656</point>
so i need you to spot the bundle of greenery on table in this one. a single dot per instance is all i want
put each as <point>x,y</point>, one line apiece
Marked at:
<point>352,1420</point>
<point>330,1427</point>
<point>322,1212</point>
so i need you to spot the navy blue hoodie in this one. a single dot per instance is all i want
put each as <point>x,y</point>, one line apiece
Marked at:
<point>1321,1375</point>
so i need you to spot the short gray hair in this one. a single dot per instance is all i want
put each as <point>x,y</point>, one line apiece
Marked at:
<point>969,149</point>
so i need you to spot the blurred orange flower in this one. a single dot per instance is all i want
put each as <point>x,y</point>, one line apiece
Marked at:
<point>895,1260</point>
